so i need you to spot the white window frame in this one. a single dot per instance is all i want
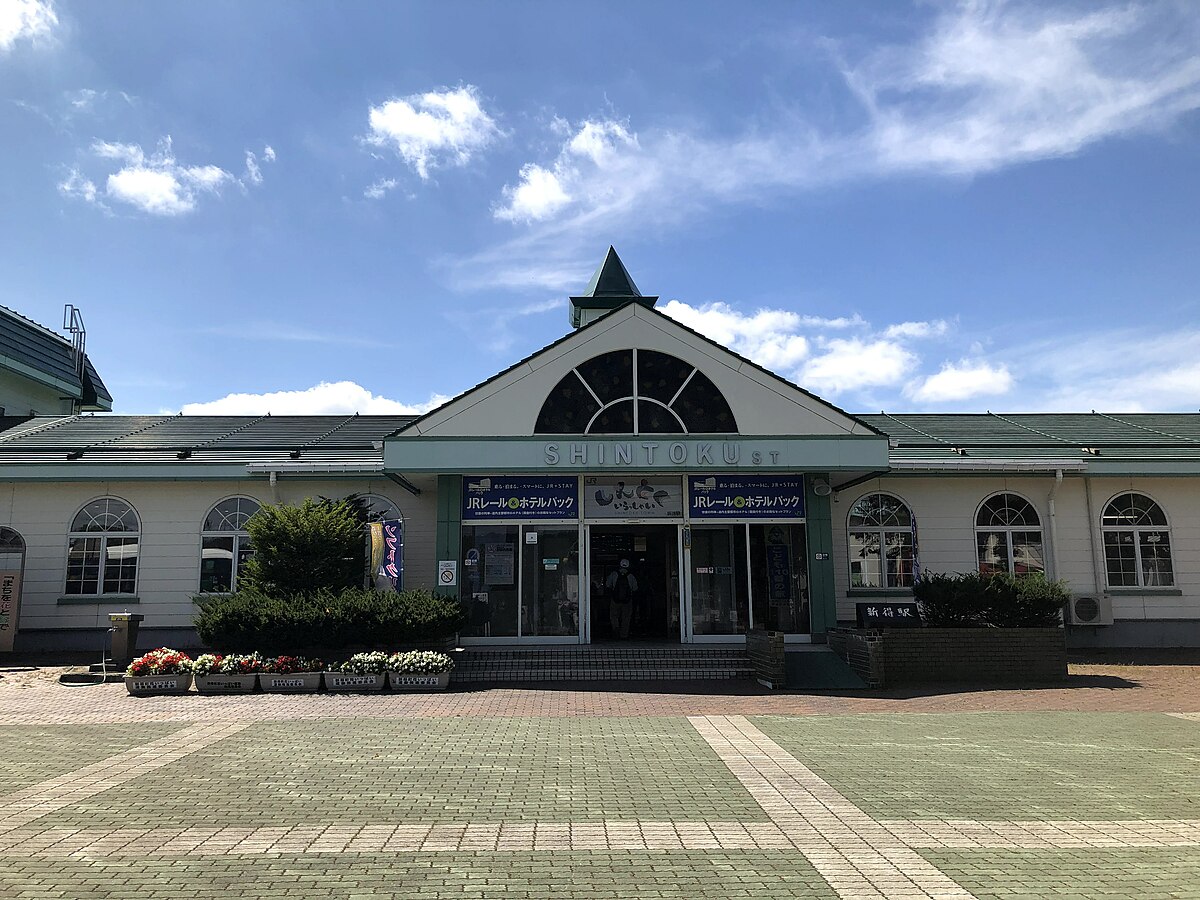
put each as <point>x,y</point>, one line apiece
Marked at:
<point>240,537</point>
<point>1007,530</point>
<point>882,531</point>
<point>104,536</point>
<point>1136,530</point>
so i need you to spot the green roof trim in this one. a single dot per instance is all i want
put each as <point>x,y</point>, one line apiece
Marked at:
<point>610,287</point>
<point>35,352</point>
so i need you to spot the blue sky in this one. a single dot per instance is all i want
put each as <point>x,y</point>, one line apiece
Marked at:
<point>322,207</point>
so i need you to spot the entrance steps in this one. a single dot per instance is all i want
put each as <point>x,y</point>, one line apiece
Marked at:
<point>602,662</point>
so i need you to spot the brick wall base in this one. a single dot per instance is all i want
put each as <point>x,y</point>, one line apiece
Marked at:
<point>765,649</point>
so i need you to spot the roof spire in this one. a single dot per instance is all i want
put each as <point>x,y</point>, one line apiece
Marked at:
<point>610,287</point>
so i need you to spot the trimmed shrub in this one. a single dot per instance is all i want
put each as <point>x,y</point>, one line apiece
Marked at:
<point>305,549</point>
<point>974,600</point>
<point>326,619</point>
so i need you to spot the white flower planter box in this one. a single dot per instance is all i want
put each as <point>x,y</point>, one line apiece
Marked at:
<point>226,684</point>
<point>296,683</point>
<point>148,685</point>
<point>340,681</point>
<point>407,681</point>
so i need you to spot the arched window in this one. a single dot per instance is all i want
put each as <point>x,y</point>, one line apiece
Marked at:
<point>379,508</point>
<point>880,542</point>
<point>1008,536</point>
<point>635,392</point>
<point>1137,543</point>
<point>102,549</point>
<point>225,545</point>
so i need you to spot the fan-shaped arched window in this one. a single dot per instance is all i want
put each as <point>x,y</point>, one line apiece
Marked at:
<point>1137,543</point>
<point>102,549</point>
<point>880,542</point>
<point>635,392</point>
<point>225,545</point>
<point>1008,536</point>
<point>379,508</point>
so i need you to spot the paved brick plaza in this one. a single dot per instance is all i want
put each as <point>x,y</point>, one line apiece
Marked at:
<point>717,790</point>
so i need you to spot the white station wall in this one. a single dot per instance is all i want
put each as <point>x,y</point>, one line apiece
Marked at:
<point>172,514</point>
<point>945,508</point>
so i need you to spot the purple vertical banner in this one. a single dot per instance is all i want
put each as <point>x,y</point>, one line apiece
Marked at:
<point>392,567</point>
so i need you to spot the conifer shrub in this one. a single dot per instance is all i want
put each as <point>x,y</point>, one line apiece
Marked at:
<point>1000,600</point>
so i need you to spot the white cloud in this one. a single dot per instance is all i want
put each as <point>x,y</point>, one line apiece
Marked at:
<point>987,85</point>
<point>322,399</point>
<point>585,165</point>
<point>28,20</point>
<point>380,188</point>
<point>768,336</point>
<point>963,381</point>
<point>154,183</point>
<point>936,328</point>
<point>253,172</point>
<point>269,153</point>
<point>76,185</point>
<point>500,333</point>
<point>852,364</point>
<point>433,129</point>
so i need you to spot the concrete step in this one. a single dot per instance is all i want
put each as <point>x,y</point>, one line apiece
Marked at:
<point>479,664</point>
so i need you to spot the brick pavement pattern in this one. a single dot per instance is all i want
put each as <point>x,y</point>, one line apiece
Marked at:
<point>538,793</point>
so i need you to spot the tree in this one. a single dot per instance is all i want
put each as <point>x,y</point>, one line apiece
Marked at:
<point>299,550</point>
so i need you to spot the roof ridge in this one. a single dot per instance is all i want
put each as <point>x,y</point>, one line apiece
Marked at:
<point>1032,430</point>
<point>1178,437</point>
<point>38,325</point>
<point>932,437</point>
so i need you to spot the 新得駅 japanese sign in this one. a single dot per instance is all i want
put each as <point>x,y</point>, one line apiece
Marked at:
<point>746,496</point>
<point>489,498</point>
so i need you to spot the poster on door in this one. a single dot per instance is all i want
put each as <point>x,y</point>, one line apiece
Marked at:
<point>632,497</point>
<point>10,608</point>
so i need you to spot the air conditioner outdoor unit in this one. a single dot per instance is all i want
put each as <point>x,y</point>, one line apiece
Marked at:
<point>1087,610</point>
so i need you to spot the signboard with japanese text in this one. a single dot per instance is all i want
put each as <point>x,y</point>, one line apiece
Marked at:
<point>888,615</point>
<point>391,563</point>
<point>746,496</point>
<point>632,497</point>
<point>10,607</point>
<point>517,498</point>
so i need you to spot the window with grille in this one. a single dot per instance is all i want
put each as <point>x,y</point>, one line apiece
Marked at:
<point>635,392</point>
<point>1008,536</point>
<point>1137,543</point>
<point>102,549</point>
<point>224,544</point>
<point>880,542</point>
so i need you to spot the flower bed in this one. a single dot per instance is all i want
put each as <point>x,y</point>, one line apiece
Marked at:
<point>161,671</point>
<point>361,672</point>
<point>419,670</point>
<point>236,673</point>
<point>291,675</point>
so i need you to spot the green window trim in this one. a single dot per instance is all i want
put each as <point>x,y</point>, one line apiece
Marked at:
<point>878,592</point>
<point>97,599</point>
<point>1144,592</point>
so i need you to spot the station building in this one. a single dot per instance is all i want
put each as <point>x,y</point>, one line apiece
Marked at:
<point>736,498</point>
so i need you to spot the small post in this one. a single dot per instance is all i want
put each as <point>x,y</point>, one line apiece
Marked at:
<point>124,628</point>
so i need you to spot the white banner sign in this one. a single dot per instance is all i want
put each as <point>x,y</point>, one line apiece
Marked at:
<point>633,497</point>
<point>10,608</point>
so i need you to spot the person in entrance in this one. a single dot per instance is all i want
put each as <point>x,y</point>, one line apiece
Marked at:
<point>621,587</point>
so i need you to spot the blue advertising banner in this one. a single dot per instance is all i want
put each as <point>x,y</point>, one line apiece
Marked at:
<point>779,571</point>
<point>391,567</point>
<point>746,496</point>
<point>518,498</point>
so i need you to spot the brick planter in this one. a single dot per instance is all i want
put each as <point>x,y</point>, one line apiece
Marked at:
<point>766,649</point>
<point>901,656</point>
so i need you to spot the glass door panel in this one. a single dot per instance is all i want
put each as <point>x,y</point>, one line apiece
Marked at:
<point>779,578</point>
<point>720,604</point>
<point>489,580</point>
<point>550,582</point>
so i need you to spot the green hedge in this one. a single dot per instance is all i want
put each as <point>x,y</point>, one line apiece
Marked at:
<point>973,600</point>
<point>326,620</point>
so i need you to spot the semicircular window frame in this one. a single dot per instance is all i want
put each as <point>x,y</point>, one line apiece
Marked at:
<point>635,391</point>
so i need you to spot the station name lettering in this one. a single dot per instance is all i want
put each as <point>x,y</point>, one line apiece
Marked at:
<point>650,453</point>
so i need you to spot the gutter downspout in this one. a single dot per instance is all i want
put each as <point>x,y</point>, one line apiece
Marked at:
<point>274,476</point>
<point>1097,571</point>
<point>1058,479</point>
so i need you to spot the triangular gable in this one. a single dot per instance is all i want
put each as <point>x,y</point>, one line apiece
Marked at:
<point>508,403</point>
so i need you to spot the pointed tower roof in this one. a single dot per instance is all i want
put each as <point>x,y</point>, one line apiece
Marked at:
<point>610,287</point>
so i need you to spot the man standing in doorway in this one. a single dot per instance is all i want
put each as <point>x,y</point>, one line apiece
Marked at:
<point>621,587</point>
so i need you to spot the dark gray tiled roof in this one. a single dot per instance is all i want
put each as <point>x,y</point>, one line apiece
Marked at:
<point>29,344</point>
